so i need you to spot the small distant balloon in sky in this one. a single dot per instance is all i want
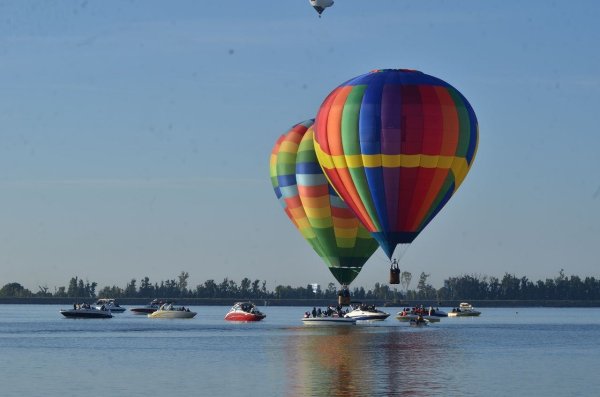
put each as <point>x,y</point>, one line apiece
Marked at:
<point>321,5</point>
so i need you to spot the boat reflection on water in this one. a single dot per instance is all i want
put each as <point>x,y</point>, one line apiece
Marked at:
<point>324,362</point>
<point>365,361</point>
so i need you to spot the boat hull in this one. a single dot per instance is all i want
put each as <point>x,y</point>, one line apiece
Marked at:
<point>471,313</point>
<point>171,314</point>
<point>413,317</point>
<point>244,317</point>
<point>368,317</point>
<point>328,321</point>
<point>143,310</point>
<point>72,313</point>
<point>113,309</point>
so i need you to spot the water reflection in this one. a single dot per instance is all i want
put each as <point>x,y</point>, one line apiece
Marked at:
<point>366,361</point>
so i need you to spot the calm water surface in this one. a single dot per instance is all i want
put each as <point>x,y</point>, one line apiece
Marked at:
<point>521,352</point>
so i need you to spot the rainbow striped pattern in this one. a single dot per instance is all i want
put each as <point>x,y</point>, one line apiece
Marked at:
<point>396,144</point>
<point>314,208</point>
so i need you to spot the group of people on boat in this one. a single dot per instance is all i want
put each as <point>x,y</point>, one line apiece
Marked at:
<point>329,312</point>
<point>419,310</point>
<point>173,308</point>
<point>458,310</point>
<point>364,307</point>
<point>80,306</point>
<point>419,320</point>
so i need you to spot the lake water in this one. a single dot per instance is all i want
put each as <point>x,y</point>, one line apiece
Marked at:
<point>520,352</point>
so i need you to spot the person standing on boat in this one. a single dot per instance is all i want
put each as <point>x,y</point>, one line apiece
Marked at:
<point>314,312</point>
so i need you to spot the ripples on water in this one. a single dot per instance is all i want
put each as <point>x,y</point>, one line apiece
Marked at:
<point>545,352</point>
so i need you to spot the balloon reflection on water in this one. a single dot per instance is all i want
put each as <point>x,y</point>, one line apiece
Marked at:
<point>366,361</point>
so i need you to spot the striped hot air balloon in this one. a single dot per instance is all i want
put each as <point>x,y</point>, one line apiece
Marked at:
<point>396,144</point>
<point>314,208</point>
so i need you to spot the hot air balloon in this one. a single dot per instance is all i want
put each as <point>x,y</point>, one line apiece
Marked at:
<point>314,208</point>
<point>320,5</point>
<point>396,144</point>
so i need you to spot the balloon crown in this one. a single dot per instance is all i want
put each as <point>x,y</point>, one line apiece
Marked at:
<point>395,70</point>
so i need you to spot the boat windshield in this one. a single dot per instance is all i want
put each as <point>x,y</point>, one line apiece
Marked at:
<point>243,306</point>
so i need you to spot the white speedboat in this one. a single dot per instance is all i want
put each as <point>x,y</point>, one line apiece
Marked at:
<point>328,321</point>
<point>85,311</point>
<point>367,312</point>
<point>110,304</point>
<point>169,311</point>
<point>464,310</point>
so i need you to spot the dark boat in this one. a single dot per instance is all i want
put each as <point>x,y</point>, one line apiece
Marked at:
<point>86,312</point>
<point>149,308</point>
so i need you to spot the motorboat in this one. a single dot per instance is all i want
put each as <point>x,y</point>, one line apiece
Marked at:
<point>167,310</point>
<point>328,321</point>
<point>464,310</point>
<point>149,308</point>
<point>86,311</point>
<point>244,311</point>
<point>366,313</point>
<point>419,322</point>
<point>436,312</point>
<point>109,304</point>
<point>411,317</point>
<point>409,314</point>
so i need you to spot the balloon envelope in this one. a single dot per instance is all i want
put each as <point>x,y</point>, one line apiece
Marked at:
<point>396,144</point>
<point>314,208</point>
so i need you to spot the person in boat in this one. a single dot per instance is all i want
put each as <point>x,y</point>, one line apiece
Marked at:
<point>314,312</point>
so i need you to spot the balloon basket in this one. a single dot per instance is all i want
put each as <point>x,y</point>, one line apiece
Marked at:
<point>394,275</point>
<point>343,300</point>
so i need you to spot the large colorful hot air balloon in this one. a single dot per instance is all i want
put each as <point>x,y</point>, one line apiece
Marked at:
<point>395,145</point>
<point>313,206</point>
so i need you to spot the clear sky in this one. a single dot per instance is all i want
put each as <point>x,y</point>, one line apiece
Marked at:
<point>135,135</point>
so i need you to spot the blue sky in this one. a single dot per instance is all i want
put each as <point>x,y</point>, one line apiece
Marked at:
<point>135,135</point>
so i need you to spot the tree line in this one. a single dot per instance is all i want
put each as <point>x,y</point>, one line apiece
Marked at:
<point>464,287</point>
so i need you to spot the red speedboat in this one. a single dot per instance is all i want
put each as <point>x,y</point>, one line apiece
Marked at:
<point>244,311</point>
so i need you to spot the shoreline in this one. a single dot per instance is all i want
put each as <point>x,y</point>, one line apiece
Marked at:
<point>310,302</point>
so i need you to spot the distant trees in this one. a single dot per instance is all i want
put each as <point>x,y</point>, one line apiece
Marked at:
<point>15,290</point>
<point>464,287</point>
<point>78,289</point>
<point>511,287</point>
